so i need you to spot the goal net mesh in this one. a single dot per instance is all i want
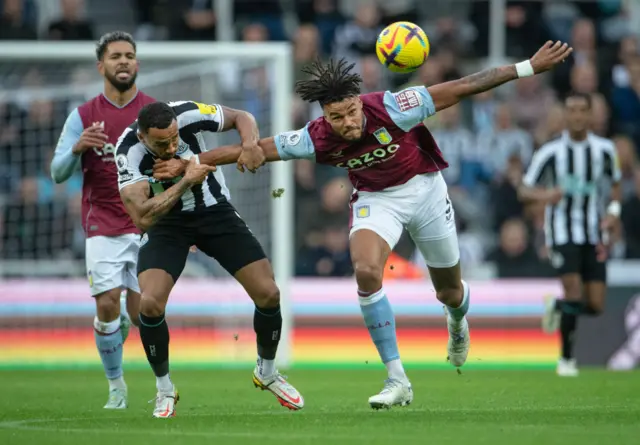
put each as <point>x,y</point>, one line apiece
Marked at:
<point>42,240</point>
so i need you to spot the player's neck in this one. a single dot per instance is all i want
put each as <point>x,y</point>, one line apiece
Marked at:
<point>579,136</point>
<point>119,98</point>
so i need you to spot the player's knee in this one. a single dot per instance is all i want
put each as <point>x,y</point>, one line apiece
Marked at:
<point>268,296</point>
<point>108,305</point>
<point>450,295</point>
<point>368,276</point>
<point>152,306</point>
<point>572,293</point>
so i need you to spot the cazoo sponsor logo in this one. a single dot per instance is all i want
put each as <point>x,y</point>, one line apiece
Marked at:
<point>365,160</point>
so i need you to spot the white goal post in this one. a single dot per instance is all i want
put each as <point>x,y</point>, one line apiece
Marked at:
<point>173,61</point>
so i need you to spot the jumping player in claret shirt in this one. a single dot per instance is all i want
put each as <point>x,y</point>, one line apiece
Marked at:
<point>88,139</point>
<point>395,168</point>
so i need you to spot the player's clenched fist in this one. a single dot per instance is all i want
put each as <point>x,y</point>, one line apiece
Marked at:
<point>196,172</point>
<point>549,55</point>
<point>169,169</point>
<point>92,136</point>
<point>252,157</point>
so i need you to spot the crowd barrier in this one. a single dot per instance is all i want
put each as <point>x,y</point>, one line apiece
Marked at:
<point>48,323</point>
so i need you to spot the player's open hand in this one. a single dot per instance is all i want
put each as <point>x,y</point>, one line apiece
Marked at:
<point>169,169</point>
<point>196,173</point>
<point>92,136</point>
<point>252,157</point>
<point>549,55</point>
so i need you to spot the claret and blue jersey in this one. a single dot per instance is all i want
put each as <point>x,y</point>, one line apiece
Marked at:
<point>395,146</point>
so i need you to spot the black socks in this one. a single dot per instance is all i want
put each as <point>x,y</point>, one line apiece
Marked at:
<point>154,333</point>
<point>267,324</point>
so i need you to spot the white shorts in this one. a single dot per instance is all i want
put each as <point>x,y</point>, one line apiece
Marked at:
<point>111,262</point>
<point>421,206</point>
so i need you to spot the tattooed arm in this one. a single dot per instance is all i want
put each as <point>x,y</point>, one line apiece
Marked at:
<point>145,211</point>
<point>450,93</point>
<point>447,94</point>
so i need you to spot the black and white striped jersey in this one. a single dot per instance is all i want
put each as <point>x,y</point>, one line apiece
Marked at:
<point>134,160</point>
<point>582,169</point>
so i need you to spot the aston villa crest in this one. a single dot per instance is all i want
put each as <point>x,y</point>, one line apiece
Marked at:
<point>382,135</point>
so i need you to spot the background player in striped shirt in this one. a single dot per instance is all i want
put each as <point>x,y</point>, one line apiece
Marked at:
<point>569,175</point>
<point>88,139</point>
<point>194,209</point>
<point>395,167</point>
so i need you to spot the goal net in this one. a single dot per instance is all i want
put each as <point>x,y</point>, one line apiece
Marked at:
<point>42,265</point>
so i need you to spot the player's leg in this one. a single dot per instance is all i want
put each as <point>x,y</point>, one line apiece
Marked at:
<point>132,305</point>
<point>160,263</point>
<point>225,237</point>
<point>109,337</point>
<point>594,277</point>
<point>563,312</point>
<point>434,233</point>
<point>105,272</point>
<point>376,228</point>
<point>133,296</point>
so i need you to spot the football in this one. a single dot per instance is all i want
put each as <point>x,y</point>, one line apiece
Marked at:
<point>402,47</point>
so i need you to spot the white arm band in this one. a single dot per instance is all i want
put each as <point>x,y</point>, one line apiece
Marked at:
<point>197,158</point>
<point>524,69</point>
<point>614,209</point>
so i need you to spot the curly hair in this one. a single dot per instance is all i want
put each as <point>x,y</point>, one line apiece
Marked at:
<point>329,83</point>
<point>110,37</point>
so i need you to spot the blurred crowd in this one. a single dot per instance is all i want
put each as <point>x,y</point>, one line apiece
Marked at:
<point>487,140</point>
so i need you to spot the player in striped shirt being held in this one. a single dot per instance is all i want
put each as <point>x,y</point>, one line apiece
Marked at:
<point>568,175</point>
<point>194,209</point>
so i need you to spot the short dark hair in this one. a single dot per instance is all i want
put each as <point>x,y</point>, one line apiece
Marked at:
<point>331,82</point>
<point>574,94</point>
<point>111,37</point>
<point>155,115</point>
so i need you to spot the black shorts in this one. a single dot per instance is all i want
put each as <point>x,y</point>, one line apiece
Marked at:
<point>578,258</point>
<point>219,232</point>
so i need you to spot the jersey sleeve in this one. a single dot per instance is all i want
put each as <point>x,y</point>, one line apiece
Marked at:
<point>409,107</point>
<point>64,161</point>
<point>612,163</point>
<point>541,164</point>
<point>202,117</point>
<point>295,145</point>
<point>129,153</point>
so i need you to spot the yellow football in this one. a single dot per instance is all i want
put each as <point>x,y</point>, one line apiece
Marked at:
<point>402,47</point>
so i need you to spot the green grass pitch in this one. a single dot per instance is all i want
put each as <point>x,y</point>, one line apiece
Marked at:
<point>222,407</point>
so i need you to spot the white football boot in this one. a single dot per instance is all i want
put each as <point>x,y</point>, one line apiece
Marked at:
<point>551,317</point>
<point>394,393</point>
<point>277,384</point>
<point>459,341</point>
<point>117,399</point>
<point>166,404</point>
<point>567,368</point>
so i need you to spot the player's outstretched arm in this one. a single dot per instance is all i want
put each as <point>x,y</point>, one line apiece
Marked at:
<point>145,211</point>
<point>450,93</point>
<point>223,155</point>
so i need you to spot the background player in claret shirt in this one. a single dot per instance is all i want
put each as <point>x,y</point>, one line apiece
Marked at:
<point>88,139</point>
<point>195,210</point>
<point>394,165</point>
